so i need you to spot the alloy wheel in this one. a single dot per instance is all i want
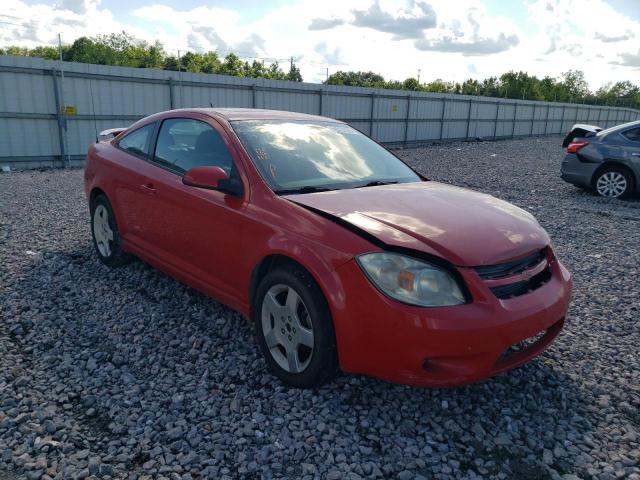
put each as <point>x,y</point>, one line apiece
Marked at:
<point>102,230</point>
<point>287,328</point>
<point>611,184</point>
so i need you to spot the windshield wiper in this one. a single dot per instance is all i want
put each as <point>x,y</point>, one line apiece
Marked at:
<point>305,189</point>
<point>377,183</point>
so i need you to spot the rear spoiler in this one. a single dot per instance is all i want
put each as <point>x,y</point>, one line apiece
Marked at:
<point>106,135</point>
<point>580,130</point>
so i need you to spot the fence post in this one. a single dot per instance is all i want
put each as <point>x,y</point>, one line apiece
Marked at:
<point>320,101</point>
<point>515,115</point>
<point>373,106</point>
<point>495,123</point>
<point>406,121</point>
<point>608,117</point>
<point>59,117</point>
<point>564,109</point>
<point>171,101</point>
<point>444,111</point>
<point>533,119</point>
<point>253,95</point>
<point>546,120</point>
<point>469,117</point>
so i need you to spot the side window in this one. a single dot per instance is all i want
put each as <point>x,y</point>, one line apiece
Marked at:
<point>633,134</point>
<point>185,143</point>
<point>137,142</point>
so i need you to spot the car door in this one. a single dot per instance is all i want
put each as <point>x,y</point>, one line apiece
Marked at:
<point>192,230</point>
<point>130,154</point>
<point>632,149</point>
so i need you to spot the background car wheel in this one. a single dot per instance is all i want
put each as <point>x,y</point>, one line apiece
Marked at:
<point>614,182</point>
<point>104,231</point>
<point>294,328</point>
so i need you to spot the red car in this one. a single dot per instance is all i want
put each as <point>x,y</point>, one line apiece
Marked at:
<point>341,255</point>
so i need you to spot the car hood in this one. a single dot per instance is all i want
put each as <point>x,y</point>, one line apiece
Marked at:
<point>465,227</point>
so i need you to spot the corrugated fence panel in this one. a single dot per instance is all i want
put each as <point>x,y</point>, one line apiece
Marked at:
<point>28,137</point>
<point>104,97</point>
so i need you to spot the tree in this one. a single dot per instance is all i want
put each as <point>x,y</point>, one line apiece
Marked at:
<point>574,85</point>
<point>356,79</point>
<point>410,84</point>
<point>294,74</point>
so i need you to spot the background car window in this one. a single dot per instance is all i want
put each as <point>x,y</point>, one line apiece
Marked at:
<point>633,134</point>
<point>185,143</point>
<point>137,142</point>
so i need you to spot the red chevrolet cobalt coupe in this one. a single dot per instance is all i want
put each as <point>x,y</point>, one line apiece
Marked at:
<point>341,255</point>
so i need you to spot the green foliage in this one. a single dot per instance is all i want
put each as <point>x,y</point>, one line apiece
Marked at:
<point>357,79</point>
<point>570,87</point>
<point>121,49</point>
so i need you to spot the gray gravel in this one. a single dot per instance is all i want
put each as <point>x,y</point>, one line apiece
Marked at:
<point>127,373</point>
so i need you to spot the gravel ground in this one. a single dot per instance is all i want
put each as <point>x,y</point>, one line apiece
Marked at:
<point>127,373</point>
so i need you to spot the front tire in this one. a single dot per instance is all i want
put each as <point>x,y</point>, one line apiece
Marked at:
<point>614,182</point>
<point>105,234</point>
<point>294,329</point>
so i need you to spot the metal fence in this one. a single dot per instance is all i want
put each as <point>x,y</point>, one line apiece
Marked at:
<point>97,97</point>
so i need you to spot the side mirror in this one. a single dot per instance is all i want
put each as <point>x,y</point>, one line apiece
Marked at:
<point>212,178</point>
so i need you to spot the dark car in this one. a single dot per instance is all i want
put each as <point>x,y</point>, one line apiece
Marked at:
<point>607,161</point>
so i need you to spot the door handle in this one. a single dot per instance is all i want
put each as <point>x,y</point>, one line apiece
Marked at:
<point>148,188</point>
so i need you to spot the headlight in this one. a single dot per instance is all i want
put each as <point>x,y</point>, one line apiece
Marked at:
<point>411,281</point>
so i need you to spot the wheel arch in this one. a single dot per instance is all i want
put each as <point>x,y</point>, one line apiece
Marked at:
<point>95,192</point>
<point>326,278</point>
<point>266,265</point>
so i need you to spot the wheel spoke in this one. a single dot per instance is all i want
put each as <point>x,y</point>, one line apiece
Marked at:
<point>292,359</point>
<point>292,301</point>
<point>271,304</point>
<point>304,336</point>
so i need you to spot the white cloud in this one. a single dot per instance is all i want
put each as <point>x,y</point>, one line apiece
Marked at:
<point>409,22</point>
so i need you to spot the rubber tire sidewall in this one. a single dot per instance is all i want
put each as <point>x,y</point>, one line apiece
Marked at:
<point>631,184</point>
<point>324,361</point>
<point>118,257</point>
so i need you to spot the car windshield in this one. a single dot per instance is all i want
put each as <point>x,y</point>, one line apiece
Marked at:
<point>304,157</point>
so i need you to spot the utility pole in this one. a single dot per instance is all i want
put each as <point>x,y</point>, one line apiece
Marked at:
<point>419,70</point>
<point>327,74</point>
<point>63,105</point>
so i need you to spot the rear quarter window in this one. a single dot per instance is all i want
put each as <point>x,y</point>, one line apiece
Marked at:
<point>137,142</point>
<point>633,134</point>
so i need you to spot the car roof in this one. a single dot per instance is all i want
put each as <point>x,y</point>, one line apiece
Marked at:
<point>235,114</point>
<point>618,128</point>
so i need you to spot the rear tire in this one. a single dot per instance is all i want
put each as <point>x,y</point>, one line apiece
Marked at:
<point>614,182</point>
<point>105,234</point>
<point>294,329</point>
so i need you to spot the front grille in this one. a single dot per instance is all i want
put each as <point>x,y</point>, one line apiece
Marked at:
<point>490,272</point>
<point>493,275</point>
<point>520,288</point>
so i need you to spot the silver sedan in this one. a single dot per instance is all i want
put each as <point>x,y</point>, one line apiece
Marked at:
<point>607,161</point>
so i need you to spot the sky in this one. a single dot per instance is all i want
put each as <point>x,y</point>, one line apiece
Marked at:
<point>437,39</point>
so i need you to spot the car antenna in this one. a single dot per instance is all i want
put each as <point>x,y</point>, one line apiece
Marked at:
<point>93,111</point>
